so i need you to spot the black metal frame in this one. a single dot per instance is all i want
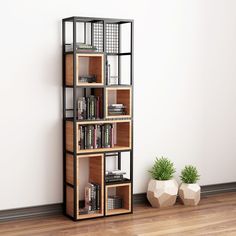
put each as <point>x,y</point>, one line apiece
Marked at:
<point>104,21</point>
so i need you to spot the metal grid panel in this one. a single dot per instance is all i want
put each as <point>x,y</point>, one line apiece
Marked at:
<point>98,36</point>
<point>112,38</point>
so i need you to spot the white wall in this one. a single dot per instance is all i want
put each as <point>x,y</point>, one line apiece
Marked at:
<point>185,68</point>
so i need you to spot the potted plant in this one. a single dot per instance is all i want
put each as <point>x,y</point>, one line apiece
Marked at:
<point>162,188</point>
<point>190,191</point>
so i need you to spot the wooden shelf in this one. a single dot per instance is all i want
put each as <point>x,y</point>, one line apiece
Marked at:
<point>124,191</point>
<point>123,136</point>
<point>119,95</point>
<point>96,175</point>
<point>117,211</point>
<point>89,216</point>
<point>86,64</point>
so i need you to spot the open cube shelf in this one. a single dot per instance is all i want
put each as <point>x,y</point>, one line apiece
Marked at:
<point>119,95</point>
<point>122,135</point>
<point>95,175</point>
<point>86,65</point>
<point>123,191</point>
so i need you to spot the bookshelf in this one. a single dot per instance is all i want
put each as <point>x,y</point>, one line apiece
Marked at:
<point>97,64</point>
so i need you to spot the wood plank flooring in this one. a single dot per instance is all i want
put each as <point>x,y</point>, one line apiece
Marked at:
<point>216,215</point>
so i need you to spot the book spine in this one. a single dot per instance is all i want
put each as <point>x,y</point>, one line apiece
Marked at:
<point>98,197</point>
<point>102,136</point>
<point>97,110</point>
<point>88,108</point>
<point>112,135</point>
<point>81,138</point>
<point>88,198</point>
<point>85,137</point>
<point>95,137</point>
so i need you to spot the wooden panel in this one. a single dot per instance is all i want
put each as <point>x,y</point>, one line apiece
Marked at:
<point>96,67</point>
<point>69,136</point>
<point>115,148</point>
<point>96,175</point>
<point>124,134</point>
<point>70,201</point>
<point>125,193</point>
<point>69,69</point>
<point>70,169</point>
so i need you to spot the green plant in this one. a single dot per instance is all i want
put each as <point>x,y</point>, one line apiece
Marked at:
<point>163,169</point>
<point>189,175</point>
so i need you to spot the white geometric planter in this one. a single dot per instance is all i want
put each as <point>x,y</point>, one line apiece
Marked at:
<point>190,194</point>
<point>162,193</point>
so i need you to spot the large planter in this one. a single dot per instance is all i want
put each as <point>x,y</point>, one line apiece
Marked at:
<point>190,194</point>
<point>162,193</point>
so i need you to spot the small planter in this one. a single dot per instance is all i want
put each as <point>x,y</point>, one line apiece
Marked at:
<point>162,193</point>
<point>190,194</point>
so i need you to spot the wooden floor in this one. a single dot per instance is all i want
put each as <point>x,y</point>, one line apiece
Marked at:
<point>216,215</point>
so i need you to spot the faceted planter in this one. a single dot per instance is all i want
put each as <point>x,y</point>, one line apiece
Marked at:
<point>190,194</point>
<point>162,193</point>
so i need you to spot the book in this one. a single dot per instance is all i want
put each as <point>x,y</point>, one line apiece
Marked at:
<point>81,108</point>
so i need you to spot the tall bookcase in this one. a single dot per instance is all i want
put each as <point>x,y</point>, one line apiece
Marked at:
<point>109,60</point>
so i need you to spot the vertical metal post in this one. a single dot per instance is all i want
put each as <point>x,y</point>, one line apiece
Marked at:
<point>74,120</point>
<point>119,50</point>
<point>104,68</point>
<point>119,160</point>
<point>64,116</point>
<point>104,182</point>
<point>131,82</point>
<point>85,33</point>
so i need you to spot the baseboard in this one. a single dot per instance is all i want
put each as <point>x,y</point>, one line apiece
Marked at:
<point>27,212</point>
<point>53,209</point>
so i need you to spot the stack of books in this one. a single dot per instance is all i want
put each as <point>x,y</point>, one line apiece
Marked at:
<point>92,197</point>
<point>96,136</point>
<point>115,176</point>
<point>87,79</point>
<point>114,202</point>
<point>116,109</point>
<point>80,47</point>
<point>88,108</point>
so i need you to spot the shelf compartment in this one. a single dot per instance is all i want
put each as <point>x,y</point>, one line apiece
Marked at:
<point>119,95</point>
<point>123,191</point>
<point>123,133</point>
<point>96,175</point>
<point>86,64</point>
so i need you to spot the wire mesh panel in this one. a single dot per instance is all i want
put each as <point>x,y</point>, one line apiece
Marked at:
<point>97,29</point>
<point>112,38</point>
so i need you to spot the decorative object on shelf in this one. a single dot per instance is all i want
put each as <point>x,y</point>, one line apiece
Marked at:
<point>162,188</point>
<point>190,191</point>
<point>88,79</point>
<point>114,202</point>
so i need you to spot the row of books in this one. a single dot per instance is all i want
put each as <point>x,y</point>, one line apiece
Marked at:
<point>96,136</point>
<point>92,197</point>
<point>89,108</point>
